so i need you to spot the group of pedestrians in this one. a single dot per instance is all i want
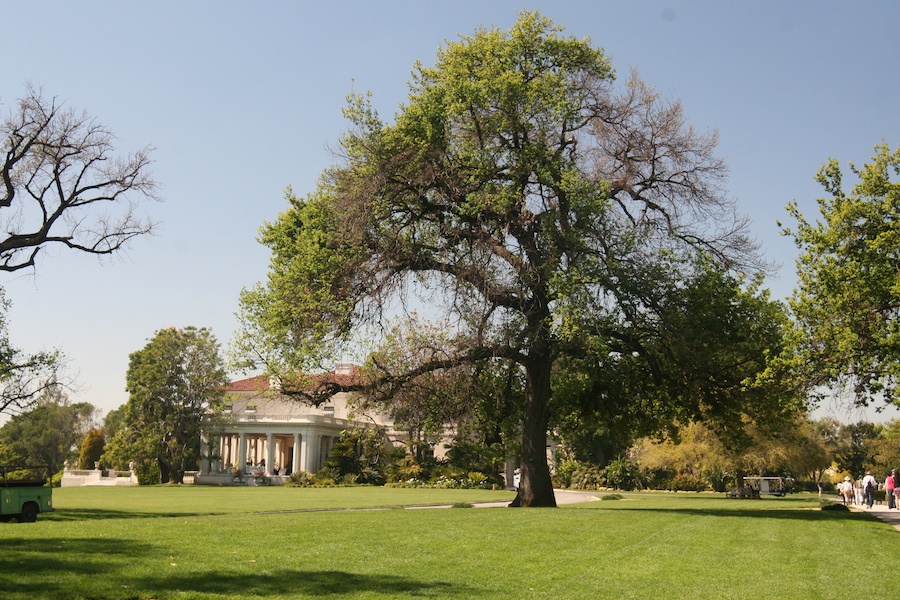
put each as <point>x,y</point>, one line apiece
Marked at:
<point>863,491</point>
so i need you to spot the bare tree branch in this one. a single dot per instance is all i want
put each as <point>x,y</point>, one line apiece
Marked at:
<point>63,185</point>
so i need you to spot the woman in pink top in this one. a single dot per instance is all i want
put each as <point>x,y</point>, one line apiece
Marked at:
<point>889,489</point>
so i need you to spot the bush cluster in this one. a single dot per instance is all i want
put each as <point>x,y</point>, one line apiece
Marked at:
<point>470,480</point>
<point>364,457</point>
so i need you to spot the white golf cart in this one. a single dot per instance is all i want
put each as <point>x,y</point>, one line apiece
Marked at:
<point>754,487</point>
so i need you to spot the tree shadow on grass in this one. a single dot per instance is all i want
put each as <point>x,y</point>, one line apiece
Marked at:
<point>812,514</point>
<point>44,567</point>
<point>293,583</point>
<point>94,514</point>
<point>59,567</point>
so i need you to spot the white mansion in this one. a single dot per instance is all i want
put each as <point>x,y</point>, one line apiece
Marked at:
<point>269,436</point>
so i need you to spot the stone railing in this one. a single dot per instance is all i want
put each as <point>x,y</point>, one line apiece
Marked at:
<point>77,477</point>
<point>283,418</point>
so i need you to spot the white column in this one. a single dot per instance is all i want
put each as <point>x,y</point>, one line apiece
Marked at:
<point>270,453</point>
<point>315,442</point>
<point>242,451</point>
<point>303,465</point>
<point>204,452</point>
<point>309,452</point>
<point>295,464</point>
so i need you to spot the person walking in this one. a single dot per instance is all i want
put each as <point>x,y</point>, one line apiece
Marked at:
<point>869,485</point>
<point>896,477</point>
<point>846,489</point>
<point>888,487</point>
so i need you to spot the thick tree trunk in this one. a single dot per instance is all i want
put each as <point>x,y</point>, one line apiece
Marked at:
<point>535,485</point>
<point>163,469</point>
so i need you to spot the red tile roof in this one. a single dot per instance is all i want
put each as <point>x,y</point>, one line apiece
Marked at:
<point>260,383</point>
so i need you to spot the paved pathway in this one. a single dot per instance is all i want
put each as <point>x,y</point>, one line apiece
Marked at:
<point>891,517</point>
<point>562,497</point>
<point>881,511</point>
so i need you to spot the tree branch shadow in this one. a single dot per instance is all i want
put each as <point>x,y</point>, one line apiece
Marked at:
<point>304,583</point>
<point>94,514</point>
<point>62,567</point>
<point>812,514</point>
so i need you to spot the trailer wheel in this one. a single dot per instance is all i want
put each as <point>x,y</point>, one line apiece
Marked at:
<point>29,513</point>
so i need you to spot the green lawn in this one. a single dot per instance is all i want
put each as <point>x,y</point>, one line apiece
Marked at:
<point>188,500</point>
<point>191,542</point>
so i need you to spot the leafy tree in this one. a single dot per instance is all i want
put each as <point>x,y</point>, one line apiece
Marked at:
<point>173,383</point>
<point>813,448</point>
<point>886,449</point>
<point>91,448</point>
<point>426,405</point>
<point>477,405</point>
<point>799,449</point>
<point>116,454</point>
<point>705,355</point>
<point>361,454</point>
<point>695,450</point>
<point>24,377</point>
<point>553,217</point>
<point>113,421</point>
<point>47,434</point>
<point>856,445</point>
<point>848,297</point>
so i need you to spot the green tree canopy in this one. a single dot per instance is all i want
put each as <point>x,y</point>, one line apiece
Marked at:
<point>173,383</point>
<point>551,216</point>
<point>24,377</point>
<point>91,448</point>
<point>887,449</point>
<point>49,433</point>
<point>473,408</point>
<point>848,297</point>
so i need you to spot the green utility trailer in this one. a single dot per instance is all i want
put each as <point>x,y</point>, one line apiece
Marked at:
<point>24,492</point>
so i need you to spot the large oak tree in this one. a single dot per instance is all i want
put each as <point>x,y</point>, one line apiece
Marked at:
<point>555,219</point>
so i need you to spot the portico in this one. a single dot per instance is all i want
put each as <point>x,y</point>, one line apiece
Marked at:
<point>267,437</point>
<point>270,446</point>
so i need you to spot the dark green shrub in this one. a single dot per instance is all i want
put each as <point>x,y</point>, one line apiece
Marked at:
<point>299,479</point>
<point>562,475</point>
<point>362,452</point>
<point>91,448</point>
<point>719,480</point>
<point>406,468</point>
<point>623,474</point>
<point>656,479</point>
<point>480,458</point>
<point>147,472</point>
<point>348,479</point>
<point>828,505</point>
<point>587,477</point>
<point>611,497</point>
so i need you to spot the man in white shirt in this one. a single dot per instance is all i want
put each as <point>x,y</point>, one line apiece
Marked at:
<point>869,485</point>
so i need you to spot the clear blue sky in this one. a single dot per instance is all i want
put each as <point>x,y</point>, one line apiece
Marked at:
<point>242,99</point>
